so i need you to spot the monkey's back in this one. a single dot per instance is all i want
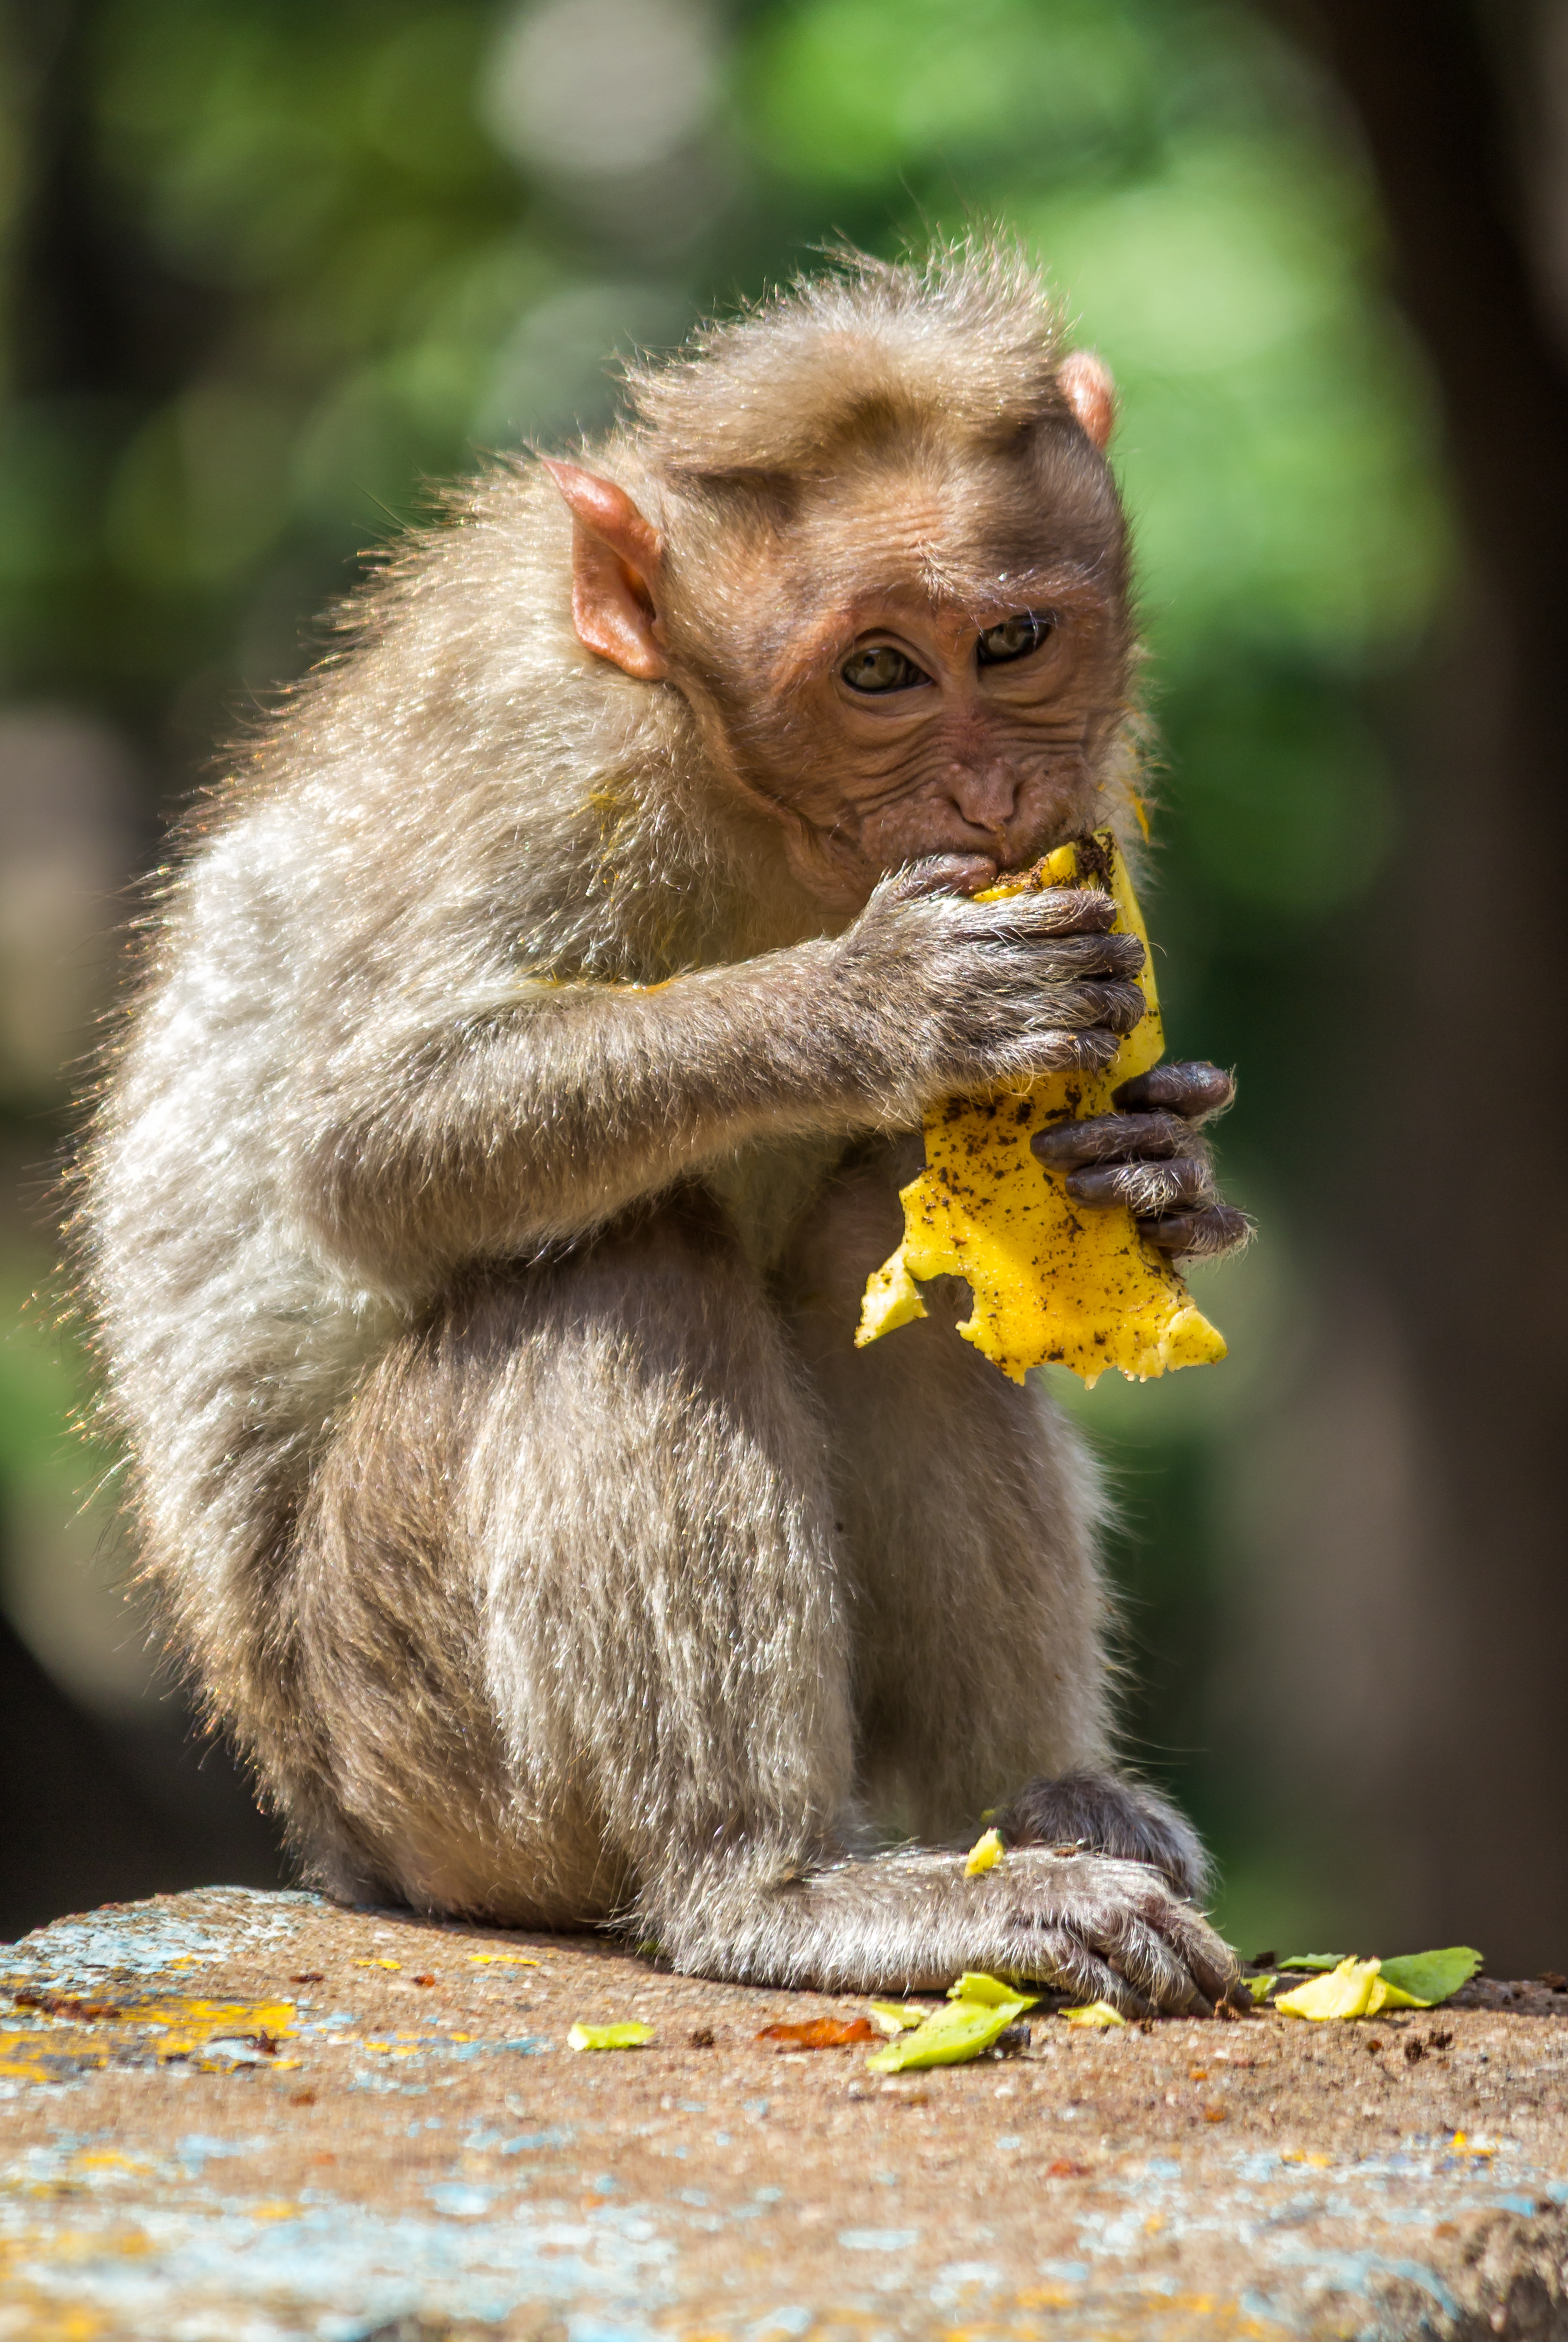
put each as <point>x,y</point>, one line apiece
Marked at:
<point>440,820</point>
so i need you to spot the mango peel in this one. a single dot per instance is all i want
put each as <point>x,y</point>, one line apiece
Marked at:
<point>1053,1281</point>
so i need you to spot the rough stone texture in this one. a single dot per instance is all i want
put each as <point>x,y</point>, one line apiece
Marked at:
<point>231,2117</point>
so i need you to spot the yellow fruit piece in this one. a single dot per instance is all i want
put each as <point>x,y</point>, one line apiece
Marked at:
<point>989,1991</point>
<point>984,1854</point>
<point>895,2017</point>
<point>1098,2013</point>
<point>1354,1988</point>
<point>609,2037</point>
<point>1053,1281</point>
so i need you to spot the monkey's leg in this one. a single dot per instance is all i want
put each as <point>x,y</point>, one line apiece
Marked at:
<point>627,1476</point>
<point>570,1606</point>
<point>971,1511</point>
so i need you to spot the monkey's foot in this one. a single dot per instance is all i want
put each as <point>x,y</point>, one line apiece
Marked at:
<point>1086,1924</point>
<point>1094,1813</point>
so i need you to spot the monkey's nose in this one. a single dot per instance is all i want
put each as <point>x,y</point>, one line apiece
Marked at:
<point>987,799</point>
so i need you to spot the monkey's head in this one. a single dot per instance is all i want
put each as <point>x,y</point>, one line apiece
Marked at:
<point>870,533</point>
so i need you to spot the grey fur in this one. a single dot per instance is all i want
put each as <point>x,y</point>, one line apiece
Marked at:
<point>479,1323</point>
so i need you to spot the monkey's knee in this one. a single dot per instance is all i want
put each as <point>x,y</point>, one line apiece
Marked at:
<point>1103,1815</point>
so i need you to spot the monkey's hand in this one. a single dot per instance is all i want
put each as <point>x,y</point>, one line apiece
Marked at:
<point>1090,1925</point>
<point>954,996</point>
<point>1152,1156</point>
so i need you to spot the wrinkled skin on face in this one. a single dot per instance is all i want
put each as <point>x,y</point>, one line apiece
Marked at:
<point>984,606</point>
<point>918,656</point>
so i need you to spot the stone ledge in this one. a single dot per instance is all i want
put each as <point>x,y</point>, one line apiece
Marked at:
<point>234,2118</point>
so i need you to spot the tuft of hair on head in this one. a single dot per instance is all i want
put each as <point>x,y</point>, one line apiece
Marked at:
<point>967,340</point>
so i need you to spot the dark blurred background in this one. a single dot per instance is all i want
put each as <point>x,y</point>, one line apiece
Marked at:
<point>268,266</point>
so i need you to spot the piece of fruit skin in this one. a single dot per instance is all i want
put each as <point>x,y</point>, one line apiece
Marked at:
<point>984,1854</point>
<point>895,2017</point>
<point>1053,1281</point>
<point>609,2037</point>
<point>1354,1988</point>
<point>954,2034</point>
<point>974,1984</point>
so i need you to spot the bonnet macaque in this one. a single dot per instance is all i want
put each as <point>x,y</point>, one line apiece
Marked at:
<point>514,1104</point>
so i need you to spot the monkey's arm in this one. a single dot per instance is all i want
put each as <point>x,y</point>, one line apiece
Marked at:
<point>480,1130</point>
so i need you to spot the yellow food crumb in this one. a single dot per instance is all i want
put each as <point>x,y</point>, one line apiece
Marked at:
<point>984,1854</point>
<point>609,2037</point>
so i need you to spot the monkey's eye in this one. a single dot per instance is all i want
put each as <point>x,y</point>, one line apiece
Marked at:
<point>1014,638</point>
<point>882,668</point>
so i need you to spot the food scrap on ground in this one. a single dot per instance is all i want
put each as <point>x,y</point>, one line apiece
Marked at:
<point>609,2037</point>
<point>821,2033</point>
<point>1053,1281</point>
<point>1354,1987</point>
<point>1094,2013</point>
<point>979,2010</point>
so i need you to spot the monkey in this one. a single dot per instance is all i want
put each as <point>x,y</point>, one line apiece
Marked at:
<point>534,1030</point>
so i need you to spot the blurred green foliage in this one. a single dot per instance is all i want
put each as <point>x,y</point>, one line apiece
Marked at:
<point>339,247</point>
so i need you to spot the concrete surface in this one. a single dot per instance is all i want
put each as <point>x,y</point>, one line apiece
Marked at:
<point>231,2116</point>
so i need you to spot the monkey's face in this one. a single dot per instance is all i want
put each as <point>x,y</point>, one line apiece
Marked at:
<point>956,696</point>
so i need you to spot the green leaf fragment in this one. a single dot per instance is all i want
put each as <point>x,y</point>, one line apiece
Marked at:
<point>979,2008</point>
<point>1316,1959</point>
<point>1427,1978</point>
<point>1260,1987</point>
<point>609,2037</point>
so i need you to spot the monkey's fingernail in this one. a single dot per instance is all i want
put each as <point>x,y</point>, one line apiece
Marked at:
<point>1062,1146</point>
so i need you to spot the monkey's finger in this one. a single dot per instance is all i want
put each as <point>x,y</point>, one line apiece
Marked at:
<point>1058,1957</point>
<point>1117,1007</point>
<point>1054,958</point>
<point>1199,1236</point>
<point>1111,1138</point>
<point>1051,1050</point>
<point>1206,1956</point>
<point>1147,1189</point>
<point>1152,1964</point>
<point>1193,1090</point>
<point>943,873</point>
<point>1062,911</point>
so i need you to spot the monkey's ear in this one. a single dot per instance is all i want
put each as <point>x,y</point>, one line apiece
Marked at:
<point>616,559</point>
<point>1087,386</point>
